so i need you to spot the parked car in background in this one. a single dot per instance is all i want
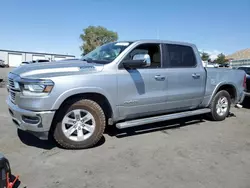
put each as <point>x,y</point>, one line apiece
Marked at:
<point>25,63</point>
<point>225,65</point>
<point>125,84</point>
<point>3,64</point>
<point>34,61</point>
<point>247,71</point>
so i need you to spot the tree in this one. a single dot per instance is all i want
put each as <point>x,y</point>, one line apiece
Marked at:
<point>205,56</point>
<point>221,58</point>
<point>94,36</point>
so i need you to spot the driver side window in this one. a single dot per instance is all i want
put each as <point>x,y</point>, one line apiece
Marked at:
<point>153,50</point>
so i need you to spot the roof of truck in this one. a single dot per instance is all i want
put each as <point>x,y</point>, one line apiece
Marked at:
<point>159,41</point>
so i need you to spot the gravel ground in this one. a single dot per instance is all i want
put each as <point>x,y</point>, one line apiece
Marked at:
<point>186,153</point>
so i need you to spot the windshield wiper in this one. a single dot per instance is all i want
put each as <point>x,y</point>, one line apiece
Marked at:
<point>88,60</point>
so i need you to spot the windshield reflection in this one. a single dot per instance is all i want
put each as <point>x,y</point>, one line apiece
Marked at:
<point>106,53</point>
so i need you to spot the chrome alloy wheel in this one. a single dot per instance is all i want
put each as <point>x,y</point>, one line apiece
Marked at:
<point>222,106</point>
<point>78,125</point>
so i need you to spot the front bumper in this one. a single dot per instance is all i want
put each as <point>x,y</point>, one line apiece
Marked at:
<point>38,123</point>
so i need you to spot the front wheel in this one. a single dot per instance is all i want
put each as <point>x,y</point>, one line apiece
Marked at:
<point>81,125</point>
<point>220,106</point>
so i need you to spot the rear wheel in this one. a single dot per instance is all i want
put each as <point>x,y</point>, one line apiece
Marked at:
<point>220,106</point>
<point>81,125</point>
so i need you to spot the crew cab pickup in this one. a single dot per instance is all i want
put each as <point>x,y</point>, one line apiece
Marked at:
<point>125,84</point>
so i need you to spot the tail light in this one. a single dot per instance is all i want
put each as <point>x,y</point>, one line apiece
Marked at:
<point>245,81</point>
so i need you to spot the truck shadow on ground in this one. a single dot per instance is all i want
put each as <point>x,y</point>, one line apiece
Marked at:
<point>155,127</point>
<point>246,103</point>
<point>30,140</point>
<point>160,126</point>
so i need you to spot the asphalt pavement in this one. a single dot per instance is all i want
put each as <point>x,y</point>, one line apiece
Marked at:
<point>186,153</point>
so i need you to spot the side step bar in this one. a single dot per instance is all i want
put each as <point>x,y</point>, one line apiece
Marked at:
<point>137,122</point>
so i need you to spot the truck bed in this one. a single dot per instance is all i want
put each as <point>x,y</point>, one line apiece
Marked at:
<point>215,76</point>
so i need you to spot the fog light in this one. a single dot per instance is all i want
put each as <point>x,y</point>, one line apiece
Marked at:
<point>31,119</point>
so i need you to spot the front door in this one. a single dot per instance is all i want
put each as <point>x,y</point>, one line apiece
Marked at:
<point>142,91</point>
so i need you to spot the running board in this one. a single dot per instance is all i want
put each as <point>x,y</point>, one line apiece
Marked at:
<point>137,122</point>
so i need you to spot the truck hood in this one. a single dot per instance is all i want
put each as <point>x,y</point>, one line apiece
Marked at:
<point>57,68</point>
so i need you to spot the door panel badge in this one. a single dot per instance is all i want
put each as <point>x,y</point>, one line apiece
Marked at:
<point>130,102</point>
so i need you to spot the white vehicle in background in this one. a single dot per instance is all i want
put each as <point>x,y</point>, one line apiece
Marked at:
<point>34,61</point>
<point>208,64</point>
<point>214,65</point>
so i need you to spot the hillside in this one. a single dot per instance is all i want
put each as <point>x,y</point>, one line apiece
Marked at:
<point>242,54</point>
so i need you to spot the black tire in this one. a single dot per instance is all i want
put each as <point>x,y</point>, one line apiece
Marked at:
<point>214,115</point>
<point>99,117</point>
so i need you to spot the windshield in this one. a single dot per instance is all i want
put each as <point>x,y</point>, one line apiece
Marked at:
<point>246,69</point>
<point>106,53</point>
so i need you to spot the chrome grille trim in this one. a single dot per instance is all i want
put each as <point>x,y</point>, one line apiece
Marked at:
<point>12,96</point>
<point>11,87</point>
<point>11,83</point>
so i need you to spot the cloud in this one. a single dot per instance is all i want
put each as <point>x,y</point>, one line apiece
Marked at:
<point>213,53</point>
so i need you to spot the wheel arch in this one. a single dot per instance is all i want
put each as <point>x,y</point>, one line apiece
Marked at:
<point>229,87</point>
<point>97,97</point>
<point>96,94</point>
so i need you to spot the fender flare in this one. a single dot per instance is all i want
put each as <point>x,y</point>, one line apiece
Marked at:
<point>81,90</point>
<point>216,89</point>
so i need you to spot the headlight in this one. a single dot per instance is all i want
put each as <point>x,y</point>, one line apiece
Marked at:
<point>16,85</point>
<point>36,89</point>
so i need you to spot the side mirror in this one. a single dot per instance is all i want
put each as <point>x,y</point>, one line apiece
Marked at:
<point>139,60</point>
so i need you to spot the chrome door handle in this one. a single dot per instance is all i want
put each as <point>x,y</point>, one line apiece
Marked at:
<point>196,75</point>
<point>159,77</point>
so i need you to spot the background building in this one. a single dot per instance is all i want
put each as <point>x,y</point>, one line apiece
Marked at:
<point>15,58</point>
<point>240,58</point>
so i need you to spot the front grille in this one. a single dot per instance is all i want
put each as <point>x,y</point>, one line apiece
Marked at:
<point>12,95</point>
<point>11,83</point>
<point>12,90</point>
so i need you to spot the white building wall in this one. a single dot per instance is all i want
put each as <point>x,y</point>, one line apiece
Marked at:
<point>15,59</point>
<point>28,57</point>
<point>23,56</point>
<point>49,57</point>
<point>4,56</point>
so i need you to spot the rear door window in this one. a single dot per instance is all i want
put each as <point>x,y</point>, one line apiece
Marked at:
<point>180,56</point>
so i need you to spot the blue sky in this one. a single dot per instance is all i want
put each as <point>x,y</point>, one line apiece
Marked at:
<point>55,25</point>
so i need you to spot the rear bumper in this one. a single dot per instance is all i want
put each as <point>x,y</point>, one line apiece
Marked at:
<point>247,94</point>
<point>38,123</point>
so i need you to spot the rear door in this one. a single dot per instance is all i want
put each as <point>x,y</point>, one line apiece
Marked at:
<point>186,77</point>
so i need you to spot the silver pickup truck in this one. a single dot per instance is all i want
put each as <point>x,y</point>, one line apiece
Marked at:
<point>125,84</point>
